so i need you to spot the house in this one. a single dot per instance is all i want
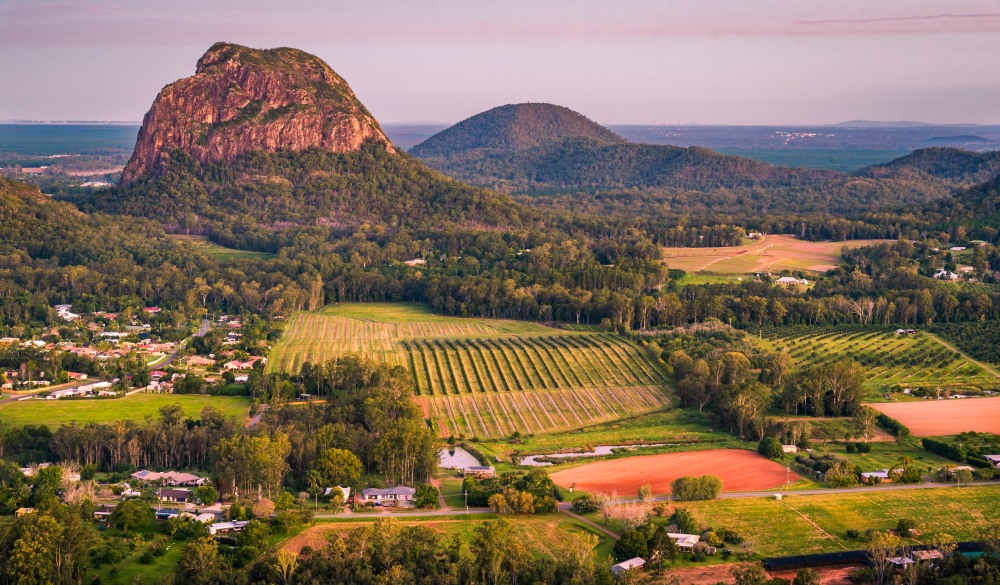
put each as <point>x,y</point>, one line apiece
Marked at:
<point>174,495</point>
<point>957,248</point>
<point>790,448</point>
<point>166,513</point>
<point>171,478</point>
<point>76,376</point>
<point>993,459</point>
<point>328,492</point>
<point>791,281</point>
<point>157,374</point>
<point>380,496</point>
<point>241,378</point>
<point>633,563</point>
<point>479,471</point>
<point>906,332</point>
<point>197,360</point>
<point>102,513</point>
<point>684,541</point>
<point>151,309</point>
<point>880,474</point>
<point>415,262</point>
<point>943,274</point>
<point>227,527</point>
<point>241,365</point>
<point>23,512</point>
<point>927,555</point>
<point>206,518</point>
<point>901,561</point>
<point>65,312</point>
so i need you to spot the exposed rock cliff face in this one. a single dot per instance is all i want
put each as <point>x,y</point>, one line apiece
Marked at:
<point>243,100</point>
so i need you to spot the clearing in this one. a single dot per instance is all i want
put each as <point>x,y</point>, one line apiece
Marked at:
<point>930,418</point>
<point>485,377</point>
<point>770,254</point>
<point>205,246</point>
<point>740,470</point>
<point>55,413</point>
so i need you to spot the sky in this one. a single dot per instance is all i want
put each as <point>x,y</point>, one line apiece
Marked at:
<point>619,62</point>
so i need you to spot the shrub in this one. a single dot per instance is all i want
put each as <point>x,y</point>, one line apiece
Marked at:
<point>706,487</point>
<point>633,543</point>
<point>771,448</point>
<point>586,503</point>
<point>904,527</point>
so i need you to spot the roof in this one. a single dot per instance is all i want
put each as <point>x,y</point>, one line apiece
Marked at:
<point>927,555</point>
<point>173,493</point>
<point>684,540</point>
<point>630,564</point>
<point>393,491</point>
<point>991,457</point>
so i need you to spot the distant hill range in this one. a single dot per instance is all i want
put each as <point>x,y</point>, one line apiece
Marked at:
<point>276,137</point>
<point>532,147</point>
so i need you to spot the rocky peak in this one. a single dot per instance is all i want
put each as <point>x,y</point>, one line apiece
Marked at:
<point>242,100</point>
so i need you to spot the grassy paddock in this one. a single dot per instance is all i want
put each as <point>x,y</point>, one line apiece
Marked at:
<point>818,523</point>
<point>56,413</point>
<point>203,245</point>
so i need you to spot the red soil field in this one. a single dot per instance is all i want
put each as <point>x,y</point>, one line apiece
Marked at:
<point>740,471</point>
<point>946,417</point>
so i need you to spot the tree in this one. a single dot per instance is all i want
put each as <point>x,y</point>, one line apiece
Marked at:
<point>426,496</point>
<point>29,549</point>
<point>255,535</point>
<point>806,577</point>
<point>131,515</point>
<point>771,448</point>
<point>334,467</point>
<point>880,548</point>
<point>661,546</point>
<point>285,563</point>
<point>705,487</point>
<point>645,492</point>
<point>867,419</point>
<point>633,543</point>
<point>200,563</point>
<point>684,520</point>
<point>206,494</point>
<point>749,574</point>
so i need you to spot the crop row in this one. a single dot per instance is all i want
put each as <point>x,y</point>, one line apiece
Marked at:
<point>459,366</point>
<point>491,415</point>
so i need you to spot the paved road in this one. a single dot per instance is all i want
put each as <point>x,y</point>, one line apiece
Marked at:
<point>405,515</point>
<point>205,326</point>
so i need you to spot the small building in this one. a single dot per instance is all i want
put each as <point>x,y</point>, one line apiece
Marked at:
<point>381,496</point>
<point>622,567</point>
<point>328,492</point>
<point>197,360</point>
<point>76,376</point>
<point>227,527</point>
<point>946,275</point>
<point>928,555</point>
<point>901,562</point>
<point>165,513</point>
<point>206,518</point>
<point>415,262</point>
<point>102,513</point>
<point>791,281</point>
<point>479,471</point>
<point>957,248</point>
<point>993,459</point>
<point>174,495</point>
<point>906,332</point>
<point>23,512</point>
<point>790,448</point>
<point>684,541</point>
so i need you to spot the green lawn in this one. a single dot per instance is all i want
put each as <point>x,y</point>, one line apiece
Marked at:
<point>806,524</point>
<point>203,245</point>
<point>55,413</point>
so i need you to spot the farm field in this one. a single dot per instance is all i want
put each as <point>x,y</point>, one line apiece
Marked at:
<point>909,361</point>
<point>929,418</point>
<point>780,528</point>
<point>544,535</point>
<point>55,413</point>
<point>485,377</point>
<point>772,254</point>
<point>740,470</point>
<point>203,245</point>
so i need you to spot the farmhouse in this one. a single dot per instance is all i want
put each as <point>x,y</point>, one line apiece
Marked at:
<point>227,527</point>
<point>479,471</point>
<point>622,567</point>
<point>791,281</point>
<point>179,496</point>
<point>685,541</point>
<point>993,459</point>
<point>943,274</point>
<point>380,496</point>
<point>171,478</point>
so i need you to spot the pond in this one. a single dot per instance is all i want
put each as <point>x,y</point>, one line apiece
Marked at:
<point>533,460</point>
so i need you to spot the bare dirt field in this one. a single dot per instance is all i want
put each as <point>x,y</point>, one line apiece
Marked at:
<point>740,470</point>
<point>946,417</point>
<point>773,253</point>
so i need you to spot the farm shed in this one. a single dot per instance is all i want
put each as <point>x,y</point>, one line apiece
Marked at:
<point>622,567</point>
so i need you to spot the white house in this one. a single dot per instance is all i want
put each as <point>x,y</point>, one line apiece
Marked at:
<point>790,448</point>
<point>379,496</point>
<point>993,459</point>
<point>943,274</point>
<point>415,262</point>
<point>791,281</point>
<point>633,563</point>
<point>686,541</point>
<point>227,527</point>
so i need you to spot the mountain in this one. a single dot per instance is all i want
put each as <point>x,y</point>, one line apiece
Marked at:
<point>241,100</point>
<point>275,138</point>
<point>883,124</point>
<point>515,127</point>
<point>539,147</point>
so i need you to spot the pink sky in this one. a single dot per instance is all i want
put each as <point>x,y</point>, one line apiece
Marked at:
<point>698,61</point>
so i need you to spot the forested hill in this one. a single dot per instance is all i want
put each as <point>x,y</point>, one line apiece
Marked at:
<point>959,167</point>
<point>515,127</point>
<point>275,138</point>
